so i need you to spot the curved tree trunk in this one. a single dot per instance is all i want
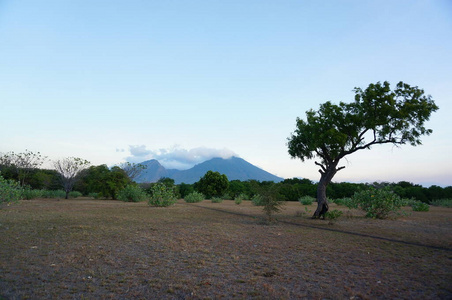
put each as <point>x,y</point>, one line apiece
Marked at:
<point>322,203</point>
<point>327,175</point>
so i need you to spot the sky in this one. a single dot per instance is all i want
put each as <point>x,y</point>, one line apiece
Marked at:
<point>186,81</point>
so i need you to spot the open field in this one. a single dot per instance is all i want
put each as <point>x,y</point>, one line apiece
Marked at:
<point>98,249</point>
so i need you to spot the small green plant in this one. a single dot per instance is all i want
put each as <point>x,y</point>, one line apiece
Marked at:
<point>271,205</point>
<point>442,202</point>
<point>306,200</point>
<point>54,194</point>
<point>333,215</point>
<point>226,197</point>
<point>162,195</point>
<point>194,197</point>
<point>10,191</point>
<point>377,203</point>
<point>132,193</point>
<point>239,199</point>
<point>93,195</point>
<point>420,206</point>
<point>29,193</point>
<point>342,201</point>
<point>217,200</point>
<point>257,200</point>
<point>75,194</point>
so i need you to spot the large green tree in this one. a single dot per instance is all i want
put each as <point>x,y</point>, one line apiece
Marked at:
<point>378,115</point>
<point>212,184</point>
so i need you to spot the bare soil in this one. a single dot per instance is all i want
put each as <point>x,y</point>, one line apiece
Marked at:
<point>98,249</point>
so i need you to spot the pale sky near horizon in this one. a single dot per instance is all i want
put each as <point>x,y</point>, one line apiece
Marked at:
<point>184,81</point>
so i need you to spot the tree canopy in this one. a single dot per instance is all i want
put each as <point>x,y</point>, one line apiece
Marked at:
<point>378,115</point>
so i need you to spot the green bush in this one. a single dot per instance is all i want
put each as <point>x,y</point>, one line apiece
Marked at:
<point>226,197</point>
<point>217,200</point>
<point>29,194</point>
<point>257,200</point>
<point>333,215</point>
<point>75,194</point>
<point>420,206</point>
<point>271,202</point>
<point>10,191</point>
<point>162,195</point>
<point>238,199</point>
<point>343,201</point>
<point>306,200</point>
<point>377,203</point>
<point>442,202</point>
<point>54,194</point>
<point>132,193</point>
<point>194,197</point>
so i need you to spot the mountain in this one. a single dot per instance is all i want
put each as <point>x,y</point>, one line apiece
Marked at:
<point>234,168</point>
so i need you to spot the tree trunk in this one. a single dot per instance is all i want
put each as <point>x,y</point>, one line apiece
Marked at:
<point>327,175</point>
<point>67,194</point>
<point>322,203</point>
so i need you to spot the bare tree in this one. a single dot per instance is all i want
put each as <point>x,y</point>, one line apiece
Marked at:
<point>69,170</point>
<point>132,170</point>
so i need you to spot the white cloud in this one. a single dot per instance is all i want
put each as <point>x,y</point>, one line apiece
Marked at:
<point>139,151</point>
<point>176,157</point>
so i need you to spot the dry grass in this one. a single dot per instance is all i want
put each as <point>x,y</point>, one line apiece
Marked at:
<point>113,250</point>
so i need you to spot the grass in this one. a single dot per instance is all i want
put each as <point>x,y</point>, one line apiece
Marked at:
<point>110,249</point>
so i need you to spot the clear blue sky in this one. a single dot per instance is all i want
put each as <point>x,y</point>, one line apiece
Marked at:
<point>183,81</point>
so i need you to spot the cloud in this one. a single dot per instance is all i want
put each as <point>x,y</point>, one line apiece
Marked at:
<point>139,151</point>
<point>176,157</point>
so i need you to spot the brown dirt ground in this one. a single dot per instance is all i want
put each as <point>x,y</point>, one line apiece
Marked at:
<point>98,249</point>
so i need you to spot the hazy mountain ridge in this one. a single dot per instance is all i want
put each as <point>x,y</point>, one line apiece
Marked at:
<point>234,168</point>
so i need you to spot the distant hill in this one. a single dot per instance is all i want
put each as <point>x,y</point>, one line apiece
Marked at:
<point>234,168</point>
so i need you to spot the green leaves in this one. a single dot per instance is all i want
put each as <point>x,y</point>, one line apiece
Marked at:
<point>212,184</point>
<point>377,116</point>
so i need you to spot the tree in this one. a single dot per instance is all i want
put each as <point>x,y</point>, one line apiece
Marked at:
<point>213,184</point>
<point>22,163</point>
<point>132,170</point>
<point>69,170</point>
<point>104,181</point>
<point>378,115</point>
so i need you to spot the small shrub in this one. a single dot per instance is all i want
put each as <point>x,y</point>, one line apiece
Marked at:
<point>343,201</point>
<point>377,203</point>
<point>75,194</point>
<point>10,191</point>
<point>217,200</point>
<point>333,215</point>
<point>442,202</point>
<point>238,200</point>
<point>162,195</point>
<point>194,197</point>
<point>271,205</point>
<point>242,196</point>
<point>257,200</point>
<point>132,193</point>
<point>54,194</point>
<point>29,194</point>
<point>306,200</point>
<point>226,197</point>
<point>420,206</point>
<point>93,195</point>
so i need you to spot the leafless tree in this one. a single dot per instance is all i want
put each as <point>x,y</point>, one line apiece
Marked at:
<point>132,170</point>
<point>69,170</point>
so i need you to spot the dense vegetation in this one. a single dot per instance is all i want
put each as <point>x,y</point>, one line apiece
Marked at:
<point>104,182</point>
<point>117,183</point>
